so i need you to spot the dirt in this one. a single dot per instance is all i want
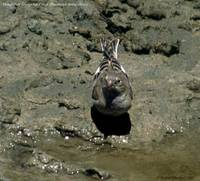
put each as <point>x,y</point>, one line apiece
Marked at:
<point>49,52</point>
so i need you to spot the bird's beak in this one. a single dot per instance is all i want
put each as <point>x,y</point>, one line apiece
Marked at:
<point>109,84</point>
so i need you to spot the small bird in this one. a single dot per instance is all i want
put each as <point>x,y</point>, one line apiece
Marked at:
<point>112,93</point>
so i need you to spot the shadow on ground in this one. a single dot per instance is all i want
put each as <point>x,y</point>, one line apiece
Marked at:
<point>111,125</point>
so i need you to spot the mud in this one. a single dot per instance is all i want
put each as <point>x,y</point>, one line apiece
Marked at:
<point>48,55</point>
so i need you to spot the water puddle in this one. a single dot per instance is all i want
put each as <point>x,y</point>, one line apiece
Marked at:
<point>56,158</point>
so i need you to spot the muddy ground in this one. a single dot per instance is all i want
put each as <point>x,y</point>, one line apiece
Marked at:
<point>49,51</point>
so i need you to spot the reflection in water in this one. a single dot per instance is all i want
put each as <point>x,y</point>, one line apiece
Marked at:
<point>111,125</point>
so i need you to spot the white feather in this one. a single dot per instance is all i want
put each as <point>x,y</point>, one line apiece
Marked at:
<point>115,48</point>
<point>122,68</point>
<point>97,71</point>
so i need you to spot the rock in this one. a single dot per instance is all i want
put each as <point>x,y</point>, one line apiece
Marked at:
<point>142,43</point>
<point>133,3</point>
<point>185,26</point>
<point>93,47</point>
<point>121,21</point>
<point>117,25</point>
<point>8,24</point>
<point>74,59</point>
<point>96,173</point>
<point>194,85</point>
<point>10,111</point>
<point>154,12</point>
<point>139,45</point>
<point>48,164</point>
<point>3,178</point>
<point>195,17</point>
<point>196,6</point>
<point>4,46</point>
<point>83,32</point>
<point>89,72</point>
<point>4,28</point>
<point>13,8</point>
<point>42,81</point>
<point>70,104</point>
<point>166,48</point>
<point>34,26</point>
<point>80,15</point>
<point>62,59</point>
<point>46,74</point>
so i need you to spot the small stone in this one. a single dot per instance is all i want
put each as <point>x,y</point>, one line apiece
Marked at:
<point>194,85</point>
<point>133,3</point>
<point>8,25</point>
<point>96,173</point>
<point>197,6</point>
<point>13,8</point>
<point>34,26</point>
<point>185,26</point>
<point>93,47</point>
<point>82,81</point>
<point>195,17</point>
<point>166,48</point>
<point>70,104</point>
<point>4,46</point>
<point>152,12</point>
<point>4,28</point>
<point>81,31</point>
<point>89,72</point>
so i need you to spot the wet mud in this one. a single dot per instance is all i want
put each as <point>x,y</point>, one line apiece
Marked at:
<point>48,56</point>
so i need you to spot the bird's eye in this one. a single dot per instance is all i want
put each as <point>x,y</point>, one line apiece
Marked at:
<point>118,81</point>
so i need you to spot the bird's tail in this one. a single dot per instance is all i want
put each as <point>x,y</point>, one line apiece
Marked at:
<point>109,48</point>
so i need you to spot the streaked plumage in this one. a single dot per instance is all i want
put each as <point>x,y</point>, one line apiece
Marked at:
<point>112,92</point>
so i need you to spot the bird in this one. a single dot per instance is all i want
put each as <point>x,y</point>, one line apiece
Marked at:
<point>111,91</point>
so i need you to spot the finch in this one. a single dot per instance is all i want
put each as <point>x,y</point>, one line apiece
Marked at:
<point>112,93</point>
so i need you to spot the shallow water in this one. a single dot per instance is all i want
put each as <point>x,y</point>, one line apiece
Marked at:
<point>175,158</point>
<point>46,72</point>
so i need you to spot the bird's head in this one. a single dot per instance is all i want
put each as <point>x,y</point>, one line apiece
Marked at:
<point>113,81</point>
